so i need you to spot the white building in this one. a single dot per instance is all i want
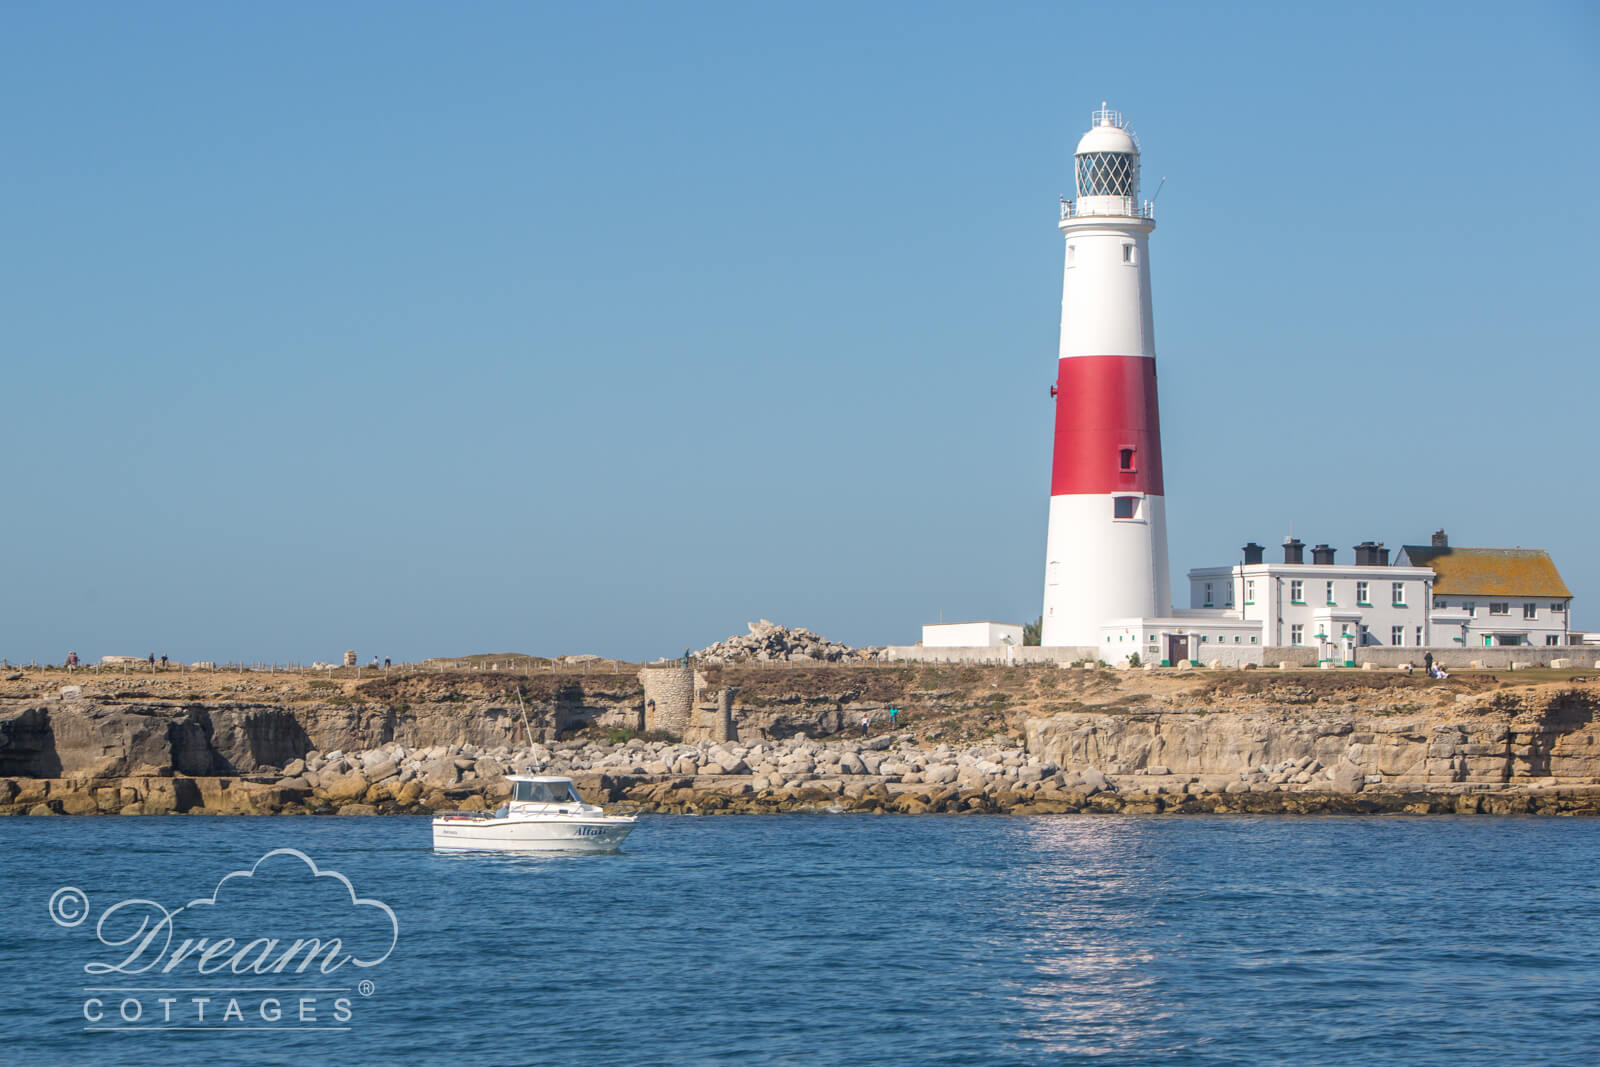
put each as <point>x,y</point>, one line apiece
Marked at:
<point>1201,636</point>
<point>1494,596</point>
<point>1324,605</point>
<point>971,635</point>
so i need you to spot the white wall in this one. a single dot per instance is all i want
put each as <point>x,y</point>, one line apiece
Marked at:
<point>971,634</point>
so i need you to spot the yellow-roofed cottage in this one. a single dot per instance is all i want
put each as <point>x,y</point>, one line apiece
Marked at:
<point>1493,596</point>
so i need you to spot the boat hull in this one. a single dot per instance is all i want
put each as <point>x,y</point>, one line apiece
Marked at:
<point>602,834</point>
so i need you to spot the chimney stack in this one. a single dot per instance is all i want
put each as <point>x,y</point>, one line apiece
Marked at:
<point>1372,554</point>
<point>1252,553</point>
<point>1293,550</point>
<point>1322,555</point>
<point>1440,540</point>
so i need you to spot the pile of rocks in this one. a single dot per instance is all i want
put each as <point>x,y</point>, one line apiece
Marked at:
<point>768,642</point>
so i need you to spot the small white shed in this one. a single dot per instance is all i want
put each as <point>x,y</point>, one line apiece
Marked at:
<point>971,634</point>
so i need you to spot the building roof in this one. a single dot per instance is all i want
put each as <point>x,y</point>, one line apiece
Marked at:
<point>1490,571</point>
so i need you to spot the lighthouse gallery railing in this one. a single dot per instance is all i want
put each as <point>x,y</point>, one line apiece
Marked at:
<point>1115,206</point>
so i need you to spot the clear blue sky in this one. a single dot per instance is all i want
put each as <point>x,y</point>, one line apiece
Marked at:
<point>425,329</point>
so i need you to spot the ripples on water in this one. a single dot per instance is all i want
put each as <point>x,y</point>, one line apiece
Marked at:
<point>805,940</point>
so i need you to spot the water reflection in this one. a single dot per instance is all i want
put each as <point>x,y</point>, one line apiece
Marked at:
<point>1086,937</point>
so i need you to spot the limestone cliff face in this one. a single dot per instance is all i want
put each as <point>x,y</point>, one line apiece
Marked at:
<point>1538,735</point>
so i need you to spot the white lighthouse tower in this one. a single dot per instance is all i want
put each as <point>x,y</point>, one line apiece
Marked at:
<point>1106,552</point>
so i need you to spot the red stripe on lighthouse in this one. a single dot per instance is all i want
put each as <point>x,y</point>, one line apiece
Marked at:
<point>1105,405</point>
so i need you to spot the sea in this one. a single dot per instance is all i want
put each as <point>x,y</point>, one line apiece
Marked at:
<point>806,939</point>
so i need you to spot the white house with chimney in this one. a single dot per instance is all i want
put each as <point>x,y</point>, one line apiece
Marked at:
<point>1430,596</point>
<point>1332,607</point>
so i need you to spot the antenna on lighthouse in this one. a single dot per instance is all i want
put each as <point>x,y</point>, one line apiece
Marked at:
<point>1157,195</point>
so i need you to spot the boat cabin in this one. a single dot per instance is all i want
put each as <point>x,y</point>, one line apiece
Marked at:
<point>542,790</point>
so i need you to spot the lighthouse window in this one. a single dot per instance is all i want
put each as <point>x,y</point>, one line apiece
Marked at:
<point>1124,507</point>
<point>1107,174</point>
<point>1125,459</point>
<point>1127,254</point>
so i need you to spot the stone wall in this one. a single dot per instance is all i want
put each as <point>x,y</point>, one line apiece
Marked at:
<point>985,654</point>
<point>1454,656</point>
<point>1501,658</point>
<point>713,721</point>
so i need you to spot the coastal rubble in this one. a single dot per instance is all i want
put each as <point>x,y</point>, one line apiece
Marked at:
<point>888,774</point>
<point>768,642</point>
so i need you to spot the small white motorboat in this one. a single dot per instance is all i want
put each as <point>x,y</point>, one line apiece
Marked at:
<point>545,814</point>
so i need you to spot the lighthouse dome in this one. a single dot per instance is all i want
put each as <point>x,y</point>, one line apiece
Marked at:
<point>1107,139</point>
<point>1108,157</point>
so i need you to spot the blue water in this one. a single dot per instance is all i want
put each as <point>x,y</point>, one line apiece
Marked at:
<point>806,940</point>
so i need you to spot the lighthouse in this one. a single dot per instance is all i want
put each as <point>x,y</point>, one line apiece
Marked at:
<point>1106,550</point>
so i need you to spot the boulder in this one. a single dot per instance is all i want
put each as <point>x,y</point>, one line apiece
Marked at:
<point>380,771</point>
<point>347,788</point>
<point>438,773</point>
<point>1348,778</point>
<point>1094,781</point>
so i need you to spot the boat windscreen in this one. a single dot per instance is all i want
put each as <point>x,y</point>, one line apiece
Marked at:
<point>543,792</point>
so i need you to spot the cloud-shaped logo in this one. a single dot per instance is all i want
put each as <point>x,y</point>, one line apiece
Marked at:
<point>334,878</point>
<point>266,919</point>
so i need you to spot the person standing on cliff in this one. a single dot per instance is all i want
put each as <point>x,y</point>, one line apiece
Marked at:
<point>894,716</point>
<point>863,726</point>
<point>1427,664</point>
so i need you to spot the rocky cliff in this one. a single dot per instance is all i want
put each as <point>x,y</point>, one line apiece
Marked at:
<point>962,739</point>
